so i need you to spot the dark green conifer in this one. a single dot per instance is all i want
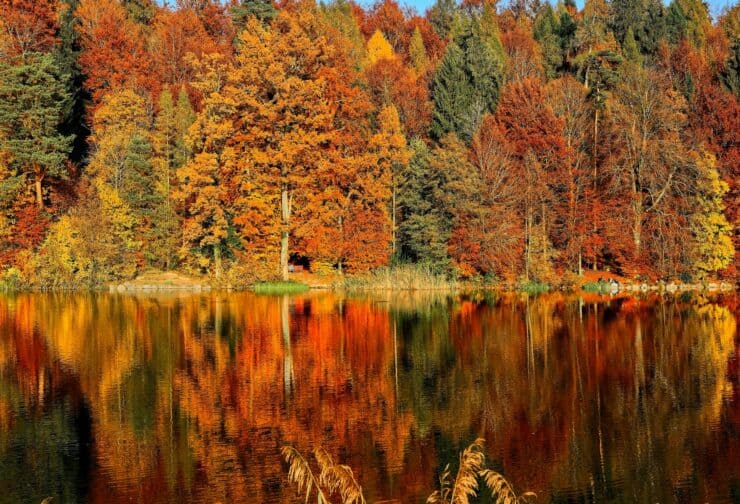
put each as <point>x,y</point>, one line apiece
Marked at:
<point>33,102</point>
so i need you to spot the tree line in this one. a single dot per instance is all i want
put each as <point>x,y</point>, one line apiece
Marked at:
<point>519,141</point>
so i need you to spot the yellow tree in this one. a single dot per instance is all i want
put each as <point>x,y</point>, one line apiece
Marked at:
<point>283,121</point>
<point>201,193</point>
<point>378,48</point>
<point>712,231</point>
<point>389,145</point>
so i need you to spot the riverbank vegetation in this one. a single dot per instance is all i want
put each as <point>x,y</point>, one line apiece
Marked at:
<point>519,143</point>
<point>334,479</point>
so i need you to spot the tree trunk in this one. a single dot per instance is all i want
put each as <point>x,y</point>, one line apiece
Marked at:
<point>527,243</point>
<point>38,177</point>
<point>217,260</point>
<point>595,176</point>
<point>637,207</point>
<point>285,232</point>
<point>393,217</point>
<point>637,230</point>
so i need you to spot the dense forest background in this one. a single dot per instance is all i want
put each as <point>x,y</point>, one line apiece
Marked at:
<point>518,141</point>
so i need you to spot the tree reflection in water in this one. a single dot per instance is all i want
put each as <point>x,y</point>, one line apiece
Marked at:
<point>112,398</point>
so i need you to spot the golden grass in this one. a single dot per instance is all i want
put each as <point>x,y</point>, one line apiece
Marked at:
<point>401,277</point>
<point>333,478</point>
<point>338,479</point>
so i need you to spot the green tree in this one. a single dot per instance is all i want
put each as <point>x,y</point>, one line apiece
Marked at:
<point>67,53</point>
<point>630,51</point>
<point>647,19</point>
<point>468,81</point>
<point>424,228</point>
<point>418,53</point>
<point>688,19</point>
<point>140,11</point>
<point>730,75</point>
<point>545,31</point>
<point>241,11</point>
<point>33,101</point>
<point>442,16</point>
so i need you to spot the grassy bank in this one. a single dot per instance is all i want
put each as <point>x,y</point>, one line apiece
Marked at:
<point>280,287</point>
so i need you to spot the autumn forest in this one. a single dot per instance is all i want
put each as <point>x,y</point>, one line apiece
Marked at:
<point>507,142</point>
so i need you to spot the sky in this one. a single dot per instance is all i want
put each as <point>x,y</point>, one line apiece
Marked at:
<point>715,6</point>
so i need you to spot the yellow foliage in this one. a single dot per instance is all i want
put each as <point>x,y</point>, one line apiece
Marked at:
<point>378,48</point>
<point>120,118</point>
<point>714,249</point>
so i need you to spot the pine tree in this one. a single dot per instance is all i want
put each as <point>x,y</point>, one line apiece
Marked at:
<point>468,81</point>
<point>67,53</point>
<point>417,52</point>
<point>630,51</point>
<point>647,18</point>
<point>442,16</point>
<point>688,19</point>
<point>263,10</point>
<point>139,11</point>
<point>452,93</point>
<point>730,75</point>
<point>33,101</point>
<point>545,32</point>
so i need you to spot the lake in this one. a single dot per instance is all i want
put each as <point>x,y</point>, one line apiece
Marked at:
<point>112,398</point>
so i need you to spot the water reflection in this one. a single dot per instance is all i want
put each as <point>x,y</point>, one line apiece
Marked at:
<point>116,398</point>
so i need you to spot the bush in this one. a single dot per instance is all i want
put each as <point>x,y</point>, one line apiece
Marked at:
<point>531,287</point>
<point>12,279</point>
<point>598,287</point>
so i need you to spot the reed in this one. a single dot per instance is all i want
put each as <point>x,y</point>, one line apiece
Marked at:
<point>339,480</point>
<point>280,287</point>
<point>467,481</point>
<point>333,479</point>
<point>401,277</point>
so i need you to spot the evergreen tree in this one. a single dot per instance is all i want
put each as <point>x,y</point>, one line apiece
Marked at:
<point>67,53</point>
<point>33,101</point>
<point>424,228</point>
<point>418,53</point>
<point>442,16</point>
<point>468,81</point>
<point>647,19</point>
<point>730,75</point>
<point>630,51</point>
<point>566,31</point>
<point>263,10</point>
<point>688,19</point>
<point>546,29</point>
<point>140,11</point>
<point>451,92</point>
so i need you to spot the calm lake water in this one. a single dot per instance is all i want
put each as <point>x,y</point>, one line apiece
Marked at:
<point>188,398</point>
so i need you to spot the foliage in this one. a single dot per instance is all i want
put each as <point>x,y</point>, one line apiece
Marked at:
<point>712,231</point>
<point>527,141</point>
<point>468,81</point>
<point>32,105</point>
